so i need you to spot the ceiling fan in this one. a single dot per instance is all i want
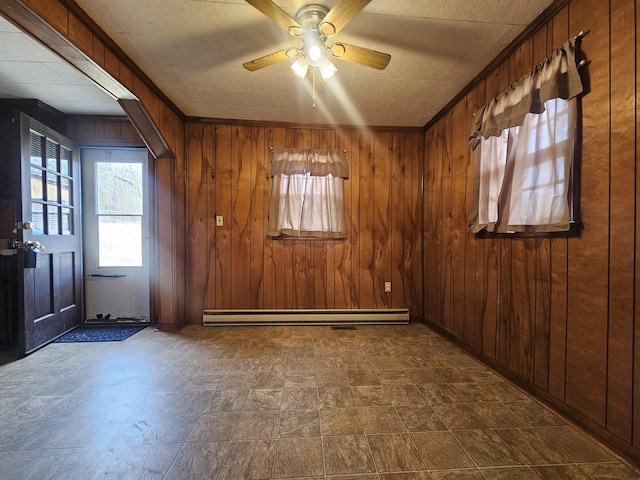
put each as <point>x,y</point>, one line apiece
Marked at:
<point>315,24</point>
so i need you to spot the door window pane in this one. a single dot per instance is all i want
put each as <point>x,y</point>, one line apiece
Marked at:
<point>67,218</point>
<point>37,189</point>
<point>52,187</point>
<point>119,241</point>
<point>52,155</point>
<point>65,161</point>
<point>65,185</point>
<point>37,217</point>
<point>35,147</point>
<point>119,188</point>
<point>53,218</point>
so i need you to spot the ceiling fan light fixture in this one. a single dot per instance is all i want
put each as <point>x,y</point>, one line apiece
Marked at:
<point>300,67</point>
<point>327,69</point>
<point>315,55</point>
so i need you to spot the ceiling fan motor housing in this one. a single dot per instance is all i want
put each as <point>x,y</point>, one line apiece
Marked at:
<point>309,17</point>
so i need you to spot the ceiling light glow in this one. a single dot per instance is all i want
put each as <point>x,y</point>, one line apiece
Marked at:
<point>315,55</point>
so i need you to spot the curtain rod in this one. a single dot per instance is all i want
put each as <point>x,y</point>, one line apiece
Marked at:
<point>344,150</point>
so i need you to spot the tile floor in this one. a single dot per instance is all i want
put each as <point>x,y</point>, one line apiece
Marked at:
<point>229,403</point>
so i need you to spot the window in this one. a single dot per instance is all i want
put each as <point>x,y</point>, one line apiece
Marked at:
<point>524,145</point>
<point>119,208</point>
<point>307,194</point>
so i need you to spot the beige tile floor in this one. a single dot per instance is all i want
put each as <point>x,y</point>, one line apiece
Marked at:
<point>227,403</point>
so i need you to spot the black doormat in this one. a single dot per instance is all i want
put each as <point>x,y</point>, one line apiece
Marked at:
<point>98,334</point>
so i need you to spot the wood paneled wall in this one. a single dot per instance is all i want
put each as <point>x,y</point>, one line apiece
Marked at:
<point>559,315</point>
<point>237,267</point>
<point>88,131</point>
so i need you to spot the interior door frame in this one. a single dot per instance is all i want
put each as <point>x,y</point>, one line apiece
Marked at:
<point>90,156</point>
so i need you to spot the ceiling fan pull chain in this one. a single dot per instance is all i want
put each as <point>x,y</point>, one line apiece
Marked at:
<point>313,88</point>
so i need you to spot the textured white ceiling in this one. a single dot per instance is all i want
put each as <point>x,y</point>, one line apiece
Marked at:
<point>194,50</point>
<point>28,70</point>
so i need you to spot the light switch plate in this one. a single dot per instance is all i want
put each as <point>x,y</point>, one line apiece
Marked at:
<point>219,221</point>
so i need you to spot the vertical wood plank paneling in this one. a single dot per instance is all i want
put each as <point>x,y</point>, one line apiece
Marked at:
<point>240,219</point>
<point>636,336</point>
<point>258,225</point>
<point>427,241</point>
<point>343,282</point>
<point>473,272</point>
<point>622,215</point>
<point>458,217</point>
<point>354,155</point>
<point>419,226</point>
<point>366,217</point>
<point>559,267</point>
<point>223,247</point>
<point>381,222</point>
<point>196,220</point>
<point>211,248</point>
<point>588,255</point>
<point>166,307</point>
<point>268,260</point>
<point>433,184</point>
<point>543,313</point>
<point>446,292</point>
<point>174,129</point>
<point>414,164</point>
<point>399,207</point>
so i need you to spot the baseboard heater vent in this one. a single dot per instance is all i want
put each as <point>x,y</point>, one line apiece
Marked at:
<point>306,317</point>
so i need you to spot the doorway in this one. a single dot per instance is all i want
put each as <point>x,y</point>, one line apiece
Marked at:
<point>115,193</point>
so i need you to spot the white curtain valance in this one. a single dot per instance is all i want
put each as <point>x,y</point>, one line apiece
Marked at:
<point>555,77</point>
<point>317,163</point>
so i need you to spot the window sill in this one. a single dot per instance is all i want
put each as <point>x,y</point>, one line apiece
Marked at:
<point>575,230</point>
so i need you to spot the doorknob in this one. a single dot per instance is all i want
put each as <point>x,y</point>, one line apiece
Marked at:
<point>30,245</point>
<point>28,225</point>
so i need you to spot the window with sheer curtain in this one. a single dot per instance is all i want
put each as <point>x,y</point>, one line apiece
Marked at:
<point>307,194</point>
<point>524,143</point>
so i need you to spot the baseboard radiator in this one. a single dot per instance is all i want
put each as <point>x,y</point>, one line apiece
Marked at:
<point>398,316</point>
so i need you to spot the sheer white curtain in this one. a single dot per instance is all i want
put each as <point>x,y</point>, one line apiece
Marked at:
<point>524,143</point>
<point>307,194</point>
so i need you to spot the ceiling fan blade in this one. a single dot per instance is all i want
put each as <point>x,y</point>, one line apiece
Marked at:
<point>270,59</point>
<point>361,55</point>
<point>340,15</point>
<point>275,13</point>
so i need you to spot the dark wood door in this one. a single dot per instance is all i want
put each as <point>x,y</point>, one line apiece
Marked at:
<point>48,232</point>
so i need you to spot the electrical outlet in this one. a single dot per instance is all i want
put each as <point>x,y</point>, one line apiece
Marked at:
<point>387,287</point>
<point>219,221</point>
